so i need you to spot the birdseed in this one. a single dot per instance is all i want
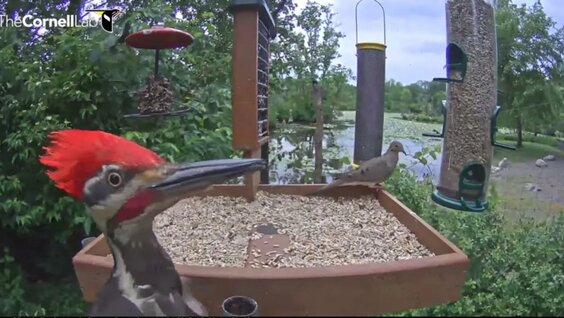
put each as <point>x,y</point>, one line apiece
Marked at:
<point>156,96</point>
<point>470,104</point>
<point>215,231</point>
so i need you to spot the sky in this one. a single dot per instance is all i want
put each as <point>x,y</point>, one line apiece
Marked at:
<point>415,33</point>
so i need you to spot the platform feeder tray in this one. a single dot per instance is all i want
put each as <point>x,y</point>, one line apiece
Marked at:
<point>358,289</point>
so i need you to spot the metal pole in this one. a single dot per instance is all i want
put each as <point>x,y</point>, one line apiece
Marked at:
<point>157,63</point>
<point>265,155</point>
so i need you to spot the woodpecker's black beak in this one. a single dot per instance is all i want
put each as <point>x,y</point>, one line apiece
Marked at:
<point>199,175</point>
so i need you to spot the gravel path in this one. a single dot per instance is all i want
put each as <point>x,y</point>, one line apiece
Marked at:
<point>550,179</point>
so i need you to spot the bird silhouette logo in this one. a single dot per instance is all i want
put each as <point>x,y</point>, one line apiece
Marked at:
<point>108,16</point>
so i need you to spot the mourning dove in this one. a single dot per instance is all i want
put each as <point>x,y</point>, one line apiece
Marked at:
<point>375,170</point>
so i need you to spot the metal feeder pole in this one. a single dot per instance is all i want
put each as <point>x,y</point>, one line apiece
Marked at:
<point>157,63</point>
<point>371,71</point>
<point>157,52</point>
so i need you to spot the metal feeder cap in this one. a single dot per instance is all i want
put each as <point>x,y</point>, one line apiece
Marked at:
<point>159,37</point>
<point>371,46</point>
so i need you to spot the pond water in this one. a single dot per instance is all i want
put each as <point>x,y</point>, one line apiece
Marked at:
<point>291,148</point>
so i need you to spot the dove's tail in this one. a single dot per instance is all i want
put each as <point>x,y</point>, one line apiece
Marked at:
<point>331,185</point>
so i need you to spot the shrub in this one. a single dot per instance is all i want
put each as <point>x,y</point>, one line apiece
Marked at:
<point>539,139</point>
<point>422,118</point>
<point>81,78</point>
<point>514,271</point>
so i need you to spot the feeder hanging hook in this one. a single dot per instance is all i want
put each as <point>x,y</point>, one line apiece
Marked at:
<point>356,19</point>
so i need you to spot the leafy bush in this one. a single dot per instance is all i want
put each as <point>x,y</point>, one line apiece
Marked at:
<point>540,139</point>
<point>294,104</point>
<point>423,118</point>
<point>11,282</point>
<point>514,271</point>
<point>83,78</point>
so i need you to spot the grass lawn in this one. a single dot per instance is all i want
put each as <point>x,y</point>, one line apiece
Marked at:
<point>529,151</point>
<point>514,203</point>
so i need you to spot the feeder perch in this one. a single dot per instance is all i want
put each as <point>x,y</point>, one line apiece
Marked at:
<point>442,133</point>
<point>163,114</point>
<point>494,128</point>
<point>155,99</point>
<point>373,288</point>
<point>370,86</point>
<point>457,62</point>
<point>470,188</point>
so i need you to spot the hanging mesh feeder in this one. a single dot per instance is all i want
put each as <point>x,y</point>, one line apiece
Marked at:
<point>156,98</point>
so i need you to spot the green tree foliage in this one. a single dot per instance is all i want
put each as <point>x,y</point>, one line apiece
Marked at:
<point>421,97</point>
<point>85,78</point>
<point>530,64</point>
<point>309,52</point>
<point>530,75</point>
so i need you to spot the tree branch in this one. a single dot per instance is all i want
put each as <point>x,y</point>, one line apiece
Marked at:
<point>278,9</point>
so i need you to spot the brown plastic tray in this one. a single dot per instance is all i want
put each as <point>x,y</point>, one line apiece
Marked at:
<point>365,289</point>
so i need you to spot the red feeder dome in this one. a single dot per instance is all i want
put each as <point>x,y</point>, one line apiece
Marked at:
<point>159,37</point>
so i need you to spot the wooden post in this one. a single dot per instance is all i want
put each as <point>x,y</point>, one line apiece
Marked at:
<point>318,135</point>
<point>253,28</point>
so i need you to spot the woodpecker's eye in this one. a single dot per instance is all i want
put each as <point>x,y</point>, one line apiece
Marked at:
<point>114,179</point>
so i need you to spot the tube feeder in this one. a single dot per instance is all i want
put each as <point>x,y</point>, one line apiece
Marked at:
<point>471,105</point>
<point>253,29</point>
<point>155,99</point>
<point>371,71</point>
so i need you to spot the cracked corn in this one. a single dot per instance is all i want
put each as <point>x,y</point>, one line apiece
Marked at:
<point>215,231</point>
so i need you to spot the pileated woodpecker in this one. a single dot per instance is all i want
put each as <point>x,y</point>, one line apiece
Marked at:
<point>124,186</point>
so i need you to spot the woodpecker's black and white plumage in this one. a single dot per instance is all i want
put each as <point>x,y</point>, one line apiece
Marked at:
<point>124,186</point>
